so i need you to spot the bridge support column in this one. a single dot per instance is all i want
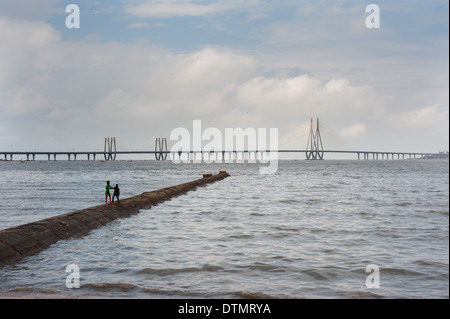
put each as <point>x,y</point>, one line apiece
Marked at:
<point>161,149</point>
<point>314,147</point>
<point>111,144</point>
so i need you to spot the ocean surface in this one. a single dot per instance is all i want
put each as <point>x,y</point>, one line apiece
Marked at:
<point>308,231</point>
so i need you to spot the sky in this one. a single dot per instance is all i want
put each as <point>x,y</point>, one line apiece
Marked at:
<point>136,70</point>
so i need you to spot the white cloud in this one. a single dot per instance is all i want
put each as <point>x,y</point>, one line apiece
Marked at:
<point>353,130</point>
<point>425,117</point>
<point>179,8</point>
<point>306,95</point>
<point>84,90</point>
<point>106,83</point>
<point>337,85</point>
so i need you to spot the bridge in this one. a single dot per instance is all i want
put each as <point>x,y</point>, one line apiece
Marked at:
<point>218,155</point>
<point>313,151</point>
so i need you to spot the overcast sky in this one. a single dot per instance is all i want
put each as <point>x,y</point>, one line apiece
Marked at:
<point>137,69</point>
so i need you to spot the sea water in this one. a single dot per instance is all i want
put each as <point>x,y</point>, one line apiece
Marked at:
<point>315,229</point>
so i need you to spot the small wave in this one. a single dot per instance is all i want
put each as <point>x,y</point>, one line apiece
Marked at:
<point>109,286</point>
<point>238,236</point>
<point>400,271</point>
<point>252,295</point>
<point>102,289</point>
<point>35,292</point>
<point>440,212</point>
<point>265,267</point>
<point>286,228</point>
<point>288,201</point>
<point>172,293</point>
<point>403,204</point>
<point>319,274</point>
<point>358,295</point>
<point>422,262</point>
<point>257,214</point>
<point>171,271</point>
<point>318,230</point>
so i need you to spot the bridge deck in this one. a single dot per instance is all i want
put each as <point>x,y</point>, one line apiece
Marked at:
<point>366,154</point>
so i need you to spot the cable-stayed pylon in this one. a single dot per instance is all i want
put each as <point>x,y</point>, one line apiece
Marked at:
<point>161,148</point>
<point>110,144</point>
<point>314,147</point>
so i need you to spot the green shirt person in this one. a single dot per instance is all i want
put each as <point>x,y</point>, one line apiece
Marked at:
<point>107,193</point>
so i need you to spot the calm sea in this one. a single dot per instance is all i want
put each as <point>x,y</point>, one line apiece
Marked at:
<point>308,231</point>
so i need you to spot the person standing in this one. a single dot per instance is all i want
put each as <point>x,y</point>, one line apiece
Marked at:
<point>116,194</point>
<point>107,193</point>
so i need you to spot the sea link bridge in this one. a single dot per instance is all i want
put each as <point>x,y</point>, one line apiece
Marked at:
<point>314,151</point>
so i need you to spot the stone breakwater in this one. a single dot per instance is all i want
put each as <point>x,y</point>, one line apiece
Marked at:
<point>29,239</point>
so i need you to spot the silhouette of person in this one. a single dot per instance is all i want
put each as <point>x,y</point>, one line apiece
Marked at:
<point>116,194</point>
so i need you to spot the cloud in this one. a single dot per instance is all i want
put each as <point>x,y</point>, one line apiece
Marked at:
<point>98,85</point>
<point>67,84</point>
<point>353,130</point>
<point>57,91</point>
<point>306,95</point>
<point>425,117</point>
<point>180,8</point>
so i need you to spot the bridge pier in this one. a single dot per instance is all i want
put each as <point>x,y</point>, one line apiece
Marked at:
<point>314,146</point>
<point>112,148</point>
<point>161,148</point>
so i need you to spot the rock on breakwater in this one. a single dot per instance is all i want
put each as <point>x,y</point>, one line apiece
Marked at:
<point>29,239</point>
